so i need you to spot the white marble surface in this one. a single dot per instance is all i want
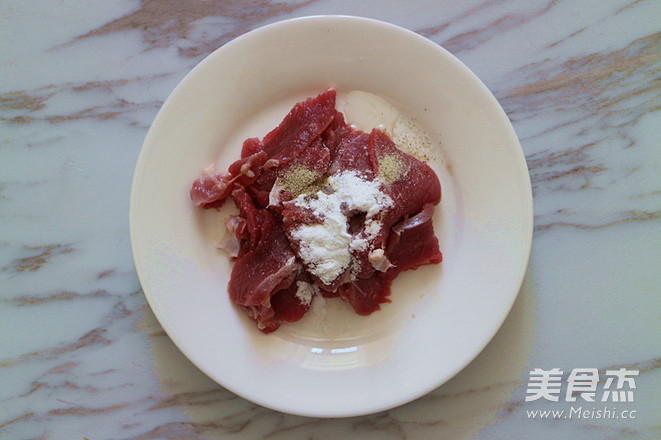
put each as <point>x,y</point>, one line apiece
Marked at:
<point>81,354</point>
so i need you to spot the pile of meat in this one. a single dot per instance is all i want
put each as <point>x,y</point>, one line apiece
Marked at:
<point>275,185</point>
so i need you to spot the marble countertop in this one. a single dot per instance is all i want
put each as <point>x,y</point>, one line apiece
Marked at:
<point>81,353</point>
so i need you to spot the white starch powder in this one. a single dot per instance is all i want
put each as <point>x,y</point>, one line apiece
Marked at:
<point>326,248</point>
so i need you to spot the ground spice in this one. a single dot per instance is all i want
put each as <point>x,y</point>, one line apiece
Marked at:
<point>391,169</point>
<point>297,180</point>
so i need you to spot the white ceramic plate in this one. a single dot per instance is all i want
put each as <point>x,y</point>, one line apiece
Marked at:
<point>334,363</point>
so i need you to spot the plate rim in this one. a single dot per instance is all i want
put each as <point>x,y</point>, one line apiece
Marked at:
<point>527,235</point>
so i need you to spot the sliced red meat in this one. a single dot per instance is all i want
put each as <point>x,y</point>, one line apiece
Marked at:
<point>315,140</point>
<point>365,294</point>
<point>250,147</point>
<point>335,132</point>
<point>412,242</point>
<point>294,215</point>
<point>302,126</point>
<point>352,154</point>
<point>409,182</point>
<point>287,306</point>
<point>252,216</point>
<point>418,184</point>
<point>258,274</point>
<point>313,159</point>
<point>248,169</point>
<point>211,190</point>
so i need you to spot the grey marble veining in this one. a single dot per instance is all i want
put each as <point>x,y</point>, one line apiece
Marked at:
<point>81,353</point>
